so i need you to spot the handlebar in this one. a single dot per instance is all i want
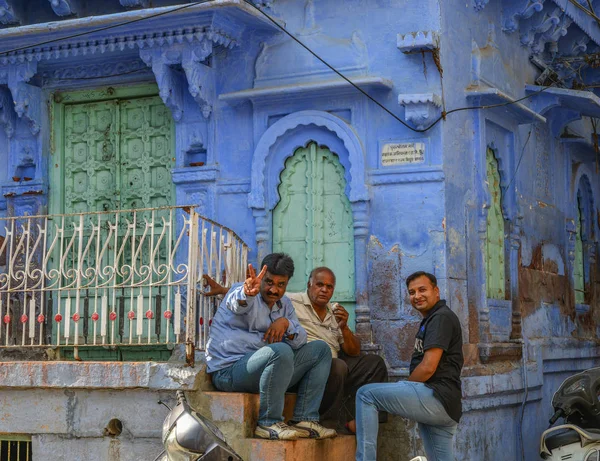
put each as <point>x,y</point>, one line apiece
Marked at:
<point>560,412</point>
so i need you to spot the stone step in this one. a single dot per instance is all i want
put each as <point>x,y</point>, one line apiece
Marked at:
<point>239,409</point>
<point>236,414</point>
<point>340,448</point>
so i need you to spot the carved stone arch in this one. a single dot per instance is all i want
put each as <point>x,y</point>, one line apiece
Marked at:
<point>501,140</point>
<point>293,130</point>
<point>503,171</point>
<point>582,178</point>
<point>279,142</point>
<point>583,187</point>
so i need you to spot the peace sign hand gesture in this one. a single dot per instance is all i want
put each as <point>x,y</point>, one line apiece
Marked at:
<point>252,283</point>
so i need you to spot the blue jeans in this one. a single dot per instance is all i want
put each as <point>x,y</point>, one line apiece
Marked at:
<point>272,370</point>
<point>410,400</point>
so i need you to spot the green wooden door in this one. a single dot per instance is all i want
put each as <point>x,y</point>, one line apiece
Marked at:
<point>90,159</point>
<point>313,221</point>
<point>494,243</point>
<point>146,154</point>
<point>112,151</point>
<point>117,155</point>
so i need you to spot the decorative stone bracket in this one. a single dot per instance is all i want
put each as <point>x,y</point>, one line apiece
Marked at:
<point>169,83</point>
<point>7,113</point>
<point>64,7</point>
<point>416,42</point>
<point>200,77</point>
<point>421,109</point>
<point>7,14</point>
<point>27,99</point>
<point>518,10</point>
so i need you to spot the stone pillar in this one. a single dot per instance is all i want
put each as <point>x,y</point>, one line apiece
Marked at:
<point>360,211</point>
<point>262,219</point>
<point>515,246</point>
<point>484,311</point>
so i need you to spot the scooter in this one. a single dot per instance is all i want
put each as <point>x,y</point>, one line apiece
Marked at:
<point>189,436</point>
<point>576,401</point>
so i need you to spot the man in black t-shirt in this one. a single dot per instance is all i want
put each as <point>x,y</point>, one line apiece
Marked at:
<point>432,394</point>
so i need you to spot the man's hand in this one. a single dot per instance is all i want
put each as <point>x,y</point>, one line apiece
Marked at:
<point>215,288</point>
<point>341,315</point>
<point>252,283</point>
<point>276,331</point>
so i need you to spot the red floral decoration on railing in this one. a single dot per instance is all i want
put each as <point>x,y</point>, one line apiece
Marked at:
<point>95,316</point>
<point>168,314</point>
<point>41,318</point>
<point>58,317</point>
<point>149,315</point>
<point>112,316</point>
<point>76,317</point>
<point>131,315</point>
<point>6,318</point>
<point>24,318</point>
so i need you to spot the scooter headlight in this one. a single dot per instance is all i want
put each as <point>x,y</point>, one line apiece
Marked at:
<point>175,452</point>
<point>577,386</point>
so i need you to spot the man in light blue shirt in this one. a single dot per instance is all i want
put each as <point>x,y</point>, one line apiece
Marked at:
<point>256,344</point>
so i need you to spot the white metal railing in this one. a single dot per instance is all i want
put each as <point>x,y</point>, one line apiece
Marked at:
<point>113,278</point>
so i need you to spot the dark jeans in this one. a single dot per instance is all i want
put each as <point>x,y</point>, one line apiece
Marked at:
<point>347,375</point>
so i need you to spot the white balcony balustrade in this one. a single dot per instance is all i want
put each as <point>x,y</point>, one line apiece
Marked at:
<point>120,278</point>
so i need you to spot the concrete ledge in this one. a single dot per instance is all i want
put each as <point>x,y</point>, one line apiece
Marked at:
<point>100,375</point>
<point>342,447</point>
<point>95,449</point>
<point>83,413</point>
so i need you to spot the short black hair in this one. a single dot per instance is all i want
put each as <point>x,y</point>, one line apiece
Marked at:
<point>279,264</point>
<point>418,274</point>
<point>316,270</point>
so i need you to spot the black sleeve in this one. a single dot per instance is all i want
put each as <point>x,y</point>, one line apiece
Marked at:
<point>438,333</point>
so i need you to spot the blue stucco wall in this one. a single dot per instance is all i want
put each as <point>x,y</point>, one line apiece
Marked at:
<point>269,96</point>
<point>539,209</point>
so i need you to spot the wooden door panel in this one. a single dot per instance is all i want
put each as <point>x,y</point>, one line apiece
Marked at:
<point>313,220</point>
<point>117,154</point>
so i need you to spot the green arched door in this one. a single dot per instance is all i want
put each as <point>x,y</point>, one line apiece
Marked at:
<point>313,220</point>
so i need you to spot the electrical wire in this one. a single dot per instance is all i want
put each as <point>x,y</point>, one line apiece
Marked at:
<point>380,105</point>
<point>333,69</point>
<point>519,162</point>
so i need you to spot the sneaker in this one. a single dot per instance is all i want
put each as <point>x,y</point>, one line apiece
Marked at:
<point>314,430</point>
<point>279,431</point>
<point>419,458</point>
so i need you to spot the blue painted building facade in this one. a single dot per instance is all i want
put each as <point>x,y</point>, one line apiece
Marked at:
<point>244,97</point>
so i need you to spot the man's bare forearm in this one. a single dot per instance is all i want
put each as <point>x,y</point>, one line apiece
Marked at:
<point>351,345</point>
